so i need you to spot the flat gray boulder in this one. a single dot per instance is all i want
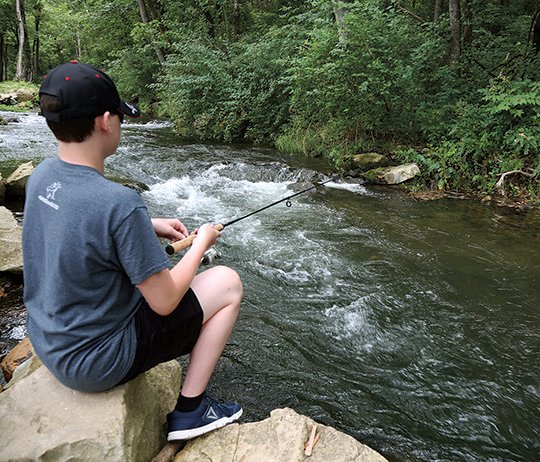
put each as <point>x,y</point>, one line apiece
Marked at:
<point>281,437</point>
<point>392,175</point>
<point>10,243</point>
<point>40,419</point>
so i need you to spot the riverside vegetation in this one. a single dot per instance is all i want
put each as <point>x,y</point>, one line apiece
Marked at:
<point>452,85</point>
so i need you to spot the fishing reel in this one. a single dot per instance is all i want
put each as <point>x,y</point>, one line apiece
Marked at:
<point>210,256</point>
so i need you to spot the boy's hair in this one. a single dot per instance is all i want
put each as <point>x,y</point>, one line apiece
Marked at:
<point>69,131</point>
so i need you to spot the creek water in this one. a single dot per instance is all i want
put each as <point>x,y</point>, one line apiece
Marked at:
<point>411,326</point>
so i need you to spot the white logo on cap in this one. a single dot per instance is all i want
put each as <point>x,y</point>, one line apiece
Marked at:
<point>133,108</point>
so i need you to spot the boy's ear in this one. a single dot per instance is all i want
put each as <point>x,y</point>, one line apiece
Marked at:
<point>103,122</point>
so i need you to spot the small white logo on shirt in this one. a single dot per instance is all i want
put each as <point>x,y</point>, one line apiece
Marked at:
<point>51,191</point>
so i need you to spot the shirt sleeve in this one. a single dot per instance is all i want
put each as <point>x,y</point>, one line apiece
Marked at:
<point>139,250</point>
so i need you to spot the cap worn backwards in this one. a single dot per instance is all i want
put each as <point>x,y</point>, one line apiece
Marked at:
<point>84,91</point>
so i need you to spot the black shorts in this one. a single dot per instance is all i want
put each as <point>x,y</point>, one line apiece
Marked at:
<point>162,338</point>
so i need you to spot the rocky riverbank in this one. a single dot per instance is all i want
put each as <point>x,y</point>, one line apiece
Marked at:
<point>127,424</point>
<point>17,97</point>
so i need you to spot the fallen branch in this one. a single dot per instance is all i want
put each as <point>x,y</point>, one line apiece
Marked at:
<point>500,183</point>
<point>313,438</point>
<point>411,14</point>
<point>169,451</point>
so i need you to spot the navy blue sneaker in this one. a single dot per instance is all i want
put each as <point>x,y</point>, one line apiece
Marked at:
<point>209,416</point>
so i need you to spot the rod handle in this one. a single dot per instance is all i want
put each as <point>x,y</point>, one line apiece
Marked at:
<point>182,244</point>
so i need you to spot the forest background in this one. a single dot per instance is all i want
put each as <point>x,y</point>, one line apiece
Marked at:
<point>452,85</point>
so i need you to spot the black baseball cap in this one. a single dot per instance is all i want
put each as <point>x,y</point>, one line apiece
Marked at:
<point>84,91</point>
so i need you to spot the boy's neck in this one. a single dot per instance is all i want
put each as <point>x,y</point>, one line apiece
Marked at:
<point>93,151</point>
<point>82,154</point>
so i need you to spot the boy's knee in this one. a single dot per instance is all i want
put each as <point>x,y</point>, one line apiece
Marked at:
<point>234,283</point>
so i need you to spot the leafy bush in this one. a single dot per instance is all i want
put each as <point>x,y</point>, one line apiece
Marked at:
<point>364,88</point>
<point>501,133</point>
<point>238,94</point>
<point>194,88</point>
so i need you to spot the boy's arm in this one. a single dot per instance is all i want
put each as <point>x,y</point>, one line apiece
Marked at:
<point>164,289</point>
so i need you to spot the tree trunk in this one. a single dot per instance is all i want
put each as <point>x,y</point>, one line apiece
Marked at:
<point>467,27</point>
<point>79,45</point>
<point>536,32</point>
<point>155,15</point>
<point>2,58</point>
<point>35,46</point>
<point>145,20</point>
<point>236,17</point>
<point>339,13</point>
<point>437,10</point>
<point>20,70</point>
<point>455,31</point>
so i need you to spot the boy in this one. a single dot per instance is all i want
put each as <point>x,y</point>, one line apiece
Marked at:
<point>102,304</point>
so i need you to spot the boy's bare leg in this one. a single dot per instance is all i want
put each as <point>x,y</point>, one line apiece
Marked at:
<point>219,291</point>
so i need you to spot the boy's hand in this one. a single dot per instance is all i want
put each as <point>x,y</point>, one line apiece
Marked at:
<point>170,228</point>
<point>207,235</point>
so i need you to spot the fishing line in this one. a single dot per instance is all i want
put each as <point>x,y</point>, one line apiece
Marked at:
<point>186,242</point>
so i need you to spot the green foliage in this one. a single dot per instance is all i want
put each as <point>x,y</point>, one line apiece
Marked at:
<point>10,85</point>
<point>501,133</point>
<point>242,94</point>
<point>292,73</point>
<point>194,88</point>
<point>365,81</point>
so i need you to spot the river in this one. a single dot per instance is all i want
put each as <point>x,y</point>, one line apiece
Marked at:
<point>412,326</point>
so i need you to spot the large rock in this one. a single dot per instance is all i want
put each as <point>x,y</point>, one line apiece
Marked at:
<point>8,99</point>
<point>10,243</point>
<point>16,182</point>
<point>24,95</point>
<point>2,186</point>
<point>392,175</point>
<point>279,438</point>
<point>368,161</point>
<point>21,95</point>
<point>40,419</point>
<point>18,355</point>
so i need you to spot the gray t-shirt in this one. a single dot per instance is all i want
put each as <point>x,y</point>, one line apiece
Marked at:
<point>87,242</point>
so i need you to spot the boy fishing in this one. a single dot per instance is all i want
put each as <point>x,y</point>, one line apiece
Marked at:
<point>103,305</point>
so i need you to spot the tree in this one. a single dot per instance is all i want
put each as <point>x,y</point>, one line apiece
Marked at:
<point>24,66</point>
<point>467,26</point>
<point>535,31</point>
<point>38,9</point>
<point>455,31</point>
<point>437,10</point>
<point>145,20</point>
<point>339,14</point>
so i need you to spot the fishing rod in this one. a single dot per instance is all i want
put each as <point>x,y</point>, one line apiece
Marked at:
<point>186,242</point>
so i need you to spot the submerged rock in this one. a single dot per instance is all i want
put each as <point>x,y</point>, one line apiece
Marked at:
<point>138,186</point>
